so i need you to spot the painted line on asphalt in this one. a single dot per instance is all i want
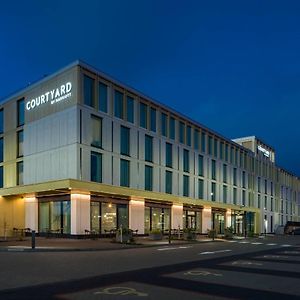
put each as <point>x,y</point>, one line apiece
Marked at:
<point>271,244</point>
<point>257,243</point>
<point>286,245</point>
<point>214,252</point>
<point>232,241</point>
<point>173,248</point>
<point>244,242</point>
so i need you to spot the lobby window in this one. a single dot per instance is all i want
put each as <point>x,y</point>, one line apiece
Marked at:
<point>234,196</point>
<point>186,186</point>
<point>148,148</point>
<point>226,152</point>
<point>102,98</point>
<point>20,141</point>
<point>118,105</point>
<point>88,90</point>
<point>200,165</point>
<point>215,147</point>
<point>172,128</point>
<point>143,115</point>
<point>189,135</point>
<point>20,172</point>
<point>21,112</point>
<point>200,188</point>
<point>186,162</point>
<point>169,182</point>
<point>213,192</point>
<point>153,119</point>
<point>1,121</point>
<point>258,184</point>
<point>169,155</point>
<point>148,178</point>
<point>130,109</point>
<point>196,139</point>
<point>221,150</point>
<point>125,173</point>
<point>224,173</point>
<point>125,141</point>
<point>235,176</point>
<point>1,177</point>
<point>96,167</point>
<point>203,142</point>
<point>164,124</point>
<point>181,132</point>
<point>210,141</point>
<point>224,193</point>
<point>244,179</point>
<point>213,169</point>
<point>96,131</point>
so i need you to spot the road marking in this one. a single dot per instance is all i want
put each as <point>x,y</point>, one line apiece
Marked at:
<point>257,243</point>
<point>173,248</point>
<point>165,249</point>
<point>120,290</point>
<point>232,241</point>
<point>203,273</point>
<point>247,263</point>
<point>185,247</point>
<point>244,242</point>
<point>213,252</point>
<point>271,244</point>
<point>291,252</point>
<point>286,245</point>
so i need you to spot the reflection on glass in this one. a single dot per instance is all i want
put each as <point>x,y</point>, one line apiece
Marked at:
<point>122,215</point>
<point>109,216</point>
<point>55,216</point>
<point>44,216</point>
<point>95,216</point>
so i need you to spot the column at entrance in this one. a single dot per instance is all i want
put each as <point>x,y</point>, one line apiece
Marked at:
<point>80,213</point>
<point>31,212</point>
<point>206,219</point>
<point>137,214</point>
<point>177,216</point>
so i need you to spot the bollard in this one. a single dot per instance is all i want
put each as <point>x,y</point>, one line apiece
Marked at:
<point>33,239</point>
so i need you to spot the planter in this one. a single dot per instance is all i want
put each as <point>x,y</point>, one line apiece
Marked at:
<point>126,237</point>
<point>189,235</point>
<point>155,236</point>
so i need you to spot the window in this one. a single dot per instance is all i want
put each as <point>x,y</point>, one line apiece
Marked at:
<point>186,185</point>
<point>244,197</point>
<point>1,121</point>
<point>266,202</point>
<point>213,191</point>
<point>231,154</point>
<point>102,98</point>
<point>148,178</point>
<point>200,165</point>
<point>96,131</point>
<point>186,163</point>
<point>200,188</point>
<point>148,148</point>
<point>221,150</point>
<point>88,90</point>
<point>125,173</point>
<point>143,115</point>
<point>234,196</point>
<point>266,186</point>
<point>130,109</point>
<point>1,177</point>
<point>271,188</point>
<point>215,147</point>
<point>96,167</point>
<point>169,155</point>
<point>189,135</point>
<point>181,132</point>
<point>203,142</point>
<point>244,179</point>
<point>258,184</point>
<point>168,182</point>
<point>234,176</point>
<point>210,140</point>
<point>224,193</point>
<point>271,204</point>
<point>164,124</point>
<point>21,112</point>
<point>1,150</point>
<point>125,141</point>
<point>20,173</point>
<point>172,128</point>
<point>153,119</point>
<point>226,152</point>
<point>213,169</point>
<point>20,140</point>
<point>196,139</point>
<point>224,173</point>
<point>258,201</point>
<point>118,104</point>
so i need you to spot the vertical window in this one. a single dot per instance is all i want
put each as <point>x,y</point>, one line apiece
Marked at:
<point>231,154</point>
<point>130,109</point>
<point>244,197</point>
<point>118,105</point>
<point>168,182</point>
<point>96,131</point>
<point>244,179</point>
<point>169,155</point>
<point>200,165</point>
<point>20,173</point>
<point>96,167</point>
<point>258,184</point>
<point>1,121</point>
<point>235,176</point>
<point>153,119</point>
<point>224,193</point>
<point>213,191</point>
<point>148,148</point>
<point>148,178</point>
<point>172,128</point>
<point>210,140</point>
<point>164,124</point>
<point>266,202</point>
<point>215,147</point>
<point>266,186</point>
<point>224,173</point>
<point>124,173</point>
<point>221,150</point>
<point>213,169</point>
<point>226,152</point>
<point>20,140</point>
<point>1,177</point>
<point>234,196</point>
<point>1,150</point>
<point>271,204</point>
<point>125,141</point>
<point>181,132</point>
<point>102,98</point>
<point>186,185</point>
<point>271,188</point>
<point>88,90</point>
<point>143,115</point>
<point>189,135</point>
<point>21,112</point>
<point>203,142</point>
<point>200,188</point>
<point>196,139</point>
<point>186,163</point>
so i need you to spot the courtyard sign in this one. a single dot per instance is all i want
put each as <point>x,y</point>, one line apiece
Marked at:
<point>53,96</point>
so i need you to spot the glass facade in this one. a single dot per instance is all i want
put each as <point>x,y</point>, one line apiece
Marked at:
<point>118,105</point>
<point>1,150</point>
<point>148,178</point>
<point>168,182</point>
<point>20,173</point>
<point>125,141</point>
<point>172,128</point>
<point>157,218</point>
<point>164,124</point>
<point>130,109</point>
<point>125,173</point>
<point>169,155</point>
<point>143,115</point>
<point>96,131</point>
<point>1,121</point>
<point>20,112</point>
<point>96,167</point>
<point>88,90</point>
<point>102,97</point>
<point>186,186</point>
<point>186,161</point>
<point>192,219</point>
<point>153,119</point>
<point>148,148</point>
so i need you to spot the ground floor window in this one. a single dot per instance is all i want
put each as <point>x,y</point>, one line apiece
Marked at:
<point>157,218</point>
<point>55,216</point>
<point>108,216</point>
<point>237,222</point>
<point>192,219</point>
<point>218,221</point>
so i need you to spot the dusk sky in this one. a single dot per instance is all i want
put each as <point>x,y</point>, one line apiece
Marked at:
<point>233,66</point>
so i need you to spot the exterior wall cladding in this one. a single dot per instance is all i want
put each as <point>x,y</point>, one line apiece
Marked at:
<point>93,154</point>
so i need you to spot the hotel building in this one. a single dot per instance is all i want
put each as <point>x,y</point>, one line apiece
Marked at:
<point>81,151</point>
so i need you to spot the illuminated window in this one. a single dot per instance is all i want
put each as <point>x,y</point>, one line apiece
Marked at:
<point>96,131</point>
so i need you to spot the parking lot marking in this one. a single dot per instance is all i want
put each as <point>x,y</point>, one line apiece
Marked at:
<point>122,291</point>
<point>202,273</point>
